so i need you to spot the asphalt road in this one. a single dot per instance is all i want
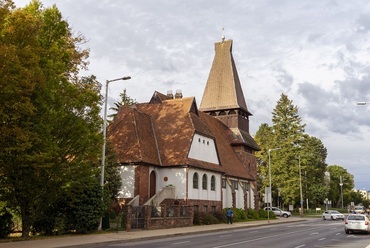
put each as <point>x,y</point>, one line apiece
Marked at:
<point>310,234</point>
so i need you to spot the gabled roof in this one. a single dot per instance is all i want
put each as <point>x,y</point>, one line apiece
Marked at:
<point>161,134</point>
<point>223,89</point>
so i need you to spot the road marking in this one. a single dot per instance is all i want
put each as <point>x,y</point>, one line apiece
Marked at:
<point>257,239</point>
<point>223,236</point>
<point>338,234</point>
<point>180,243</point>
<point>322,239</point>
<point>300,246</point>
<point>315,233</point>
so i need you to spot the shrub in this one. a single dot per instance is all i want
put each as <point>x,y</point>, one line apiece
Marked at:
<point>263,214</point>
<point>201,218</point>
<point>252,214</point>
<point>6,223</point>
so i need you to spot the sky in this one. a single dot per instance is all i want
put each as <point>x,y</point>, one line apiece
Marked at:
<point>316,52</point>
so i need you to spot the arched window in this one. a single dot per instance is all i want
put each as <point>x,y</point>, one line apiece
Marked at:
<point>195,181</point>
<point>213,183</point>
<point>204,181</point>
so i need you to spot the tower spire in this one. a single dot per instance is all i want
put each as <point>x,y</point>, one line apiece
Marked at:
<point>223,35</point>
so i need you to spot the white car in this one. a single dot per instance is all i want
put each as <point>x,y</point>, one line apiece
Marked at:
<point>332,215</point>
<point>357,223</point>
<point>359,210</point>
<point>279,212</point>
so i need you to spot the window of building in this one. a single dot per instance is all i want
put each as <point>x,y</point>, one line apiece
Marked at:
<point>204,181</point>
<point>205,207</point>
<point>213,183</point>
<point>224,183</point>
<point>245,186</point>
<point>213,209</point>
<point>195,181</point>
<point>234,184</point>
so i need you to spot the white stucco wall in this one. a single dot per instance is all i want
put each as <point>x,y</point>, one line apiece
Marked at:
<point>204,149</point>
<point>127,174</point>
<point>201,194</point>
<point>239,196</point>
<point>174,176</point>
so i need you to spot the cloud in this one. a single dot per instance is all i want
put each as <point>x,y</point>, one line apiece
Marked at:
<point>316,52</point>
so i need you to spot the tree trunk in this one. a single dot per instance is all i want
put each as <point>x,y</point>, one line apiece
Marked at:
<point>26,225</point>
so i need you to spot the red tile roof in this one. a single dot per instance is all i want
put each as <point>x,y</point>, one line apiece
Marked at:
<point>161,133</point>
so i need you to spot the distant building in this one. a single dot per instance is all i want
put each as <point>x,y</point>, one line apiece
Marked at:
<point>363,192</point>
<point>206,154</point>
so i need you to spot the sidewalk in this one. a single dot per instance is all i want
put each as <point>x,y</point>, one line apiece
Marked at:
<point>122,236</point>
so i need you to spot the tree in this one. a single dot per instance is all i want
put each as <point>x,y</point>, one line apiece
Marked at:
<point>297,151</point>
<point>49,118</point>
<point>335,173</point>
<point>125,101</point>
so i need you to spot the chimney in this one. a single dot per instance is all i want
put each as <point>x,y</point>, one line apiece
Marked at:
<point>178,94</point>
<point>169,94</point>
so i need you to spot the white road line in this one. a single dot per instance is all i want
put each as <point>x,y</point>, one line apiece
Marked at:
<point>315,233</point>
<point>223,236</point>
<point>180,243</point>
<point>322,239</point>
<point>252,240</point>
<point>338,234</point>
<point>300,246</point>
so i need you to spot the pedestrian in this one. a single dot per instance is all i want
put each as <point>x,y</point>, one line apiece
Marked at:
<point>229,215</point>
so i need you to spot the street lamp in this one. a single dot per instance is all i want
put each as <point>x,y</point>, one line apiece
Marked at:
<point>341,188</point>
<point>300,185</point>
<point>362,103</point>
<point>105,135</point>
<point>270,193</point>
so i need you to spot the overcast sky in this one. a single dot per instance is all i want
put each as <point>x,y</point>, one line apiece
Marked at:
<point>316,52</point>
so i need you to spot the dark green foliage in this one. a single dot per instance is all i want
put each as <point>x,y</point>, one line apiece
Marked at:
<point>264,215</point>
<point>78,209</point>
<point>84,209</point>
<point>252,214</point>
<point>6,223</point>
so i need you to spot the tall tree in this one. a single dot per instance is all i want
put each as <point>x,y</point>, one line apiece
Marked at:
<point>291,152</point>
<point>50,124</point>
<point>288,134</point>
<point>336,173</point>
<point>125,100</point>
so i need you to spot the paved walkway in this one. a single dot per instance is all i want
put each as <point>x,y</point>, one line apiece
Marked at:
<point>116,237</point>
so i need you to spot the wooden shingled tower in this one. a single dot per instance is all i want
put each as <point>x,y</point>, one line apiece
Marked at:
<point>223,96</point>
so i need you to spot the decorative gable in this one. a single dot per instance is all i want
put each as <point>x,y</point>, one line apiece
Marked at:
<point>204,149</point>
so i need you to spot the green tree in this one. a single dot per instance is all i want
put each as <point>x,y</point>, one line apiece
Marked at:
<point>313,166</point>
<point>288,134</point>
<point>337,172</point>
<point>125,100</point>
<point>50,124</point>
<point>292,151</point>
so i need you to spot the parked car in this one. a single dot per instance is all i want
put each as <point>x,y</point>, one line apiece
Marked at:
<point>279,212</point>
<point>332,215</point>
<point>359,210</point>
<point>357,223</point>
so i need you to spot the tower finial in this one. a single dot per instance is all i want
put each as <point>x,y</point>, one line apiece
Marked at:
<point>223,35</point>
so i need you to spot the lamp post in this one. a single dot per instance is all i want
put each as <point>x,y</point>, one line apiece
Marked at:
<point>270,193</point>
<point>300,185</point>
<point>341,188</point>
<point>105,137</point>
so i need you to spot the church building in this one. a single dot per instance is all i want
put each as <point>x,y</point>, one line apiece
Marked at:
<point>204,154</point>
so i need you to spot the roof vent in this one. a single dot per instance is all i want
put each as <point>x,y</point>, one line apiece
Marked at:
<point>178,94</point>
